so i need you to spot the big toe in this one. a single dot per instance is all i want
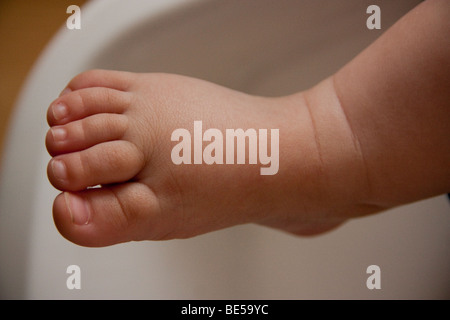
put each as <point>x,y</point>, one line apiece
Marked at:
<point>113,214</point>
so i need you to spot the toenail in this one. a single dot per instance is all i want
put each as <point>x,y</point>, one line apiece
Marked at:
<point>78,209</point>
<point>59,169</point>
<point>59,134</point>
<point>60,111</point>
<point>66,90</point>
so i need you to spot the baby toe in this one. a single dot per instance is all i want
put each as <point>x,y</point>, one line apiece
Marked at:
<point>82,103</point>
<point>118,80</point>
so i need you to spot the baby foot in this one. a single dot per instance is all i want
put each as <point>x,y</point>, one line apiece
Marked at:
<point>110,139</point>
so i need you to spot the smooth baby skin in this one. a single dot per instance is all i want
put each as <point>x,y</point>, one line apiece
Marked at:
<point>344,151</point>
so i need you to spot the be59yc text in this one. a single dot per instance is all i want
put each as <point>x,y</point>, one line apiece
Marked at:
<point>246,309</point>
<point>230,309</point>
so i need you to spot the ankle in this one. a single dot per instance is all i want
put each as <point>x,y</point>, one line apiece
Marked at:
<point>331,163</point>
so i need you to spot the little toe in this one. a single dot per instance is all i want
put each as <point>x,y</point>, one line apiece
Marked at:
<point>104,163</point>
<point>119,80</point>
<point>81,134</point>
<point>82,103</point>
<point>109,215</point>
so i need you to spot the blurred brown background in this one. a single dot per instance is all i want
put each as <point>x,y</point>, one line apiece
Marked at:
<point>26,26</point>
